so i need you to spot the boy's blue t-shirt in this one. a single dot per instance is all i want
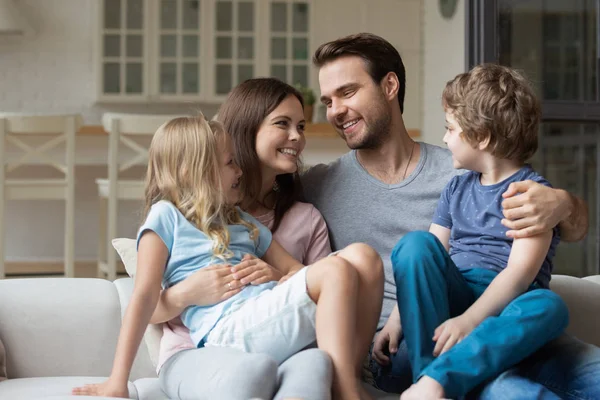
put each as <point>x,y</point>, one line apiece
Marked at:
<point>473,213</point>
<point>190,249</point>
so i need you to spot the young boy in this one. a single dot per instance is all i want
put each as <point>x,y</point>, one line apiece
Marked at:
<point>472,301</point>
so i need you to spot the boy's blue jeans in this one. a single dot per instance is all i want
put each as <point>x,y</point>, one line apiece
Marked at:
<point>431,290</point>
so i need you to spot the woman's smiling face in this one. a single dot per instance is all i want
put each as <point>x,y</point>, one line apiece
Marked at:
<point>280,138</point>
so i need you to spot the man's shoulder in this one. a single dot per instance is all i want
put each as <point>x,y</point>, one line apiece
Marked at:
<point>438,163</point>
<point>319,172</point>
<point>438,155</point>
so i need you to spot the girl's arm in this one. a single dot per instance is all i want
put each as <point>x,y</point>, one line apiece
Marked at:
<point>152,258</point>
<point>524,263</point>
<point>207,286</point>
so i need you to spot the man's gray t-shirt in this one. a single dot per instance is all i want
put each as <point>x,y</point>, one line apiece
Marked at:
<point>359,208</point>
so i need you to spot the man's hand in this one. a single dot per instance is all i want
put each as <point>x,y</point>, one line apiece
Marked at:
<point>388,338</point>
<point>254,271</point>
<point>537,208</point>
<point>451,332</point>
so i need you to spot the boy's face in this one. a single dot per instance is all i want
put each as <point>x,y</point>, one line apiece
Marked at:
<point>464,155</point>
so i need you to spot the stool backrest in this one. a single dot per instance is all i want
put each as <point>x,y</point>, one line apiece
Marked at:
<point>123,130</point>
<point>48,131</point>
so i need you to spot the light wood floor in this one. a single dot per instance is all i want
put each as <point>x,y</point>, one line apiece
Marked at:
<point>16,270</point>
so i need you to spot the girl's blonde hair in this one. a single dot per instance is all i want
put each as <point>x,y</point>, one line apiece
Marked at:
<point>183,168</point>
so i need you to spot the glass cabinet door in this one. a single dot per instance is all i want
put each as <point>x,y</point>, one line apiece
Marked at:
<point>123,47</point>
<point>179,42</point>
<point>235,43</point>
<point>289,41</point>
<point>568,156</point>
<point>555,43</point>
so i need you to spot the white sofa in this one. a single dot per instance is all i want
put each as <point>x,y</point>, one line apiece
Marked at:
<point>60,333</point>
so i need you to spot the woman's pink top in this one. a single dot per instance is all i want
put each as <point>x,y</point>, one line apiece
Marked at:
<point>302,232</point>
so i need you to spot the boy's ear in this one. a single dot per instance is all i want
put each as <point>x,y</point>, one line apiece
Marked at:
<point>390,85</point>
<point>483,145</point>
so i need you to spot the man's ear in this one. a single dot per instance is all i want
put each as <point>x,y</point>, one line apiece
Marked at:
<point>390,85</point>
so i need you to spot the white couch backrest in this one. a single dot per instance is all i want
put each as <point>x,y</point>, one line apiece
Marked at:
<point>583,299</point>
<point>62,327</point>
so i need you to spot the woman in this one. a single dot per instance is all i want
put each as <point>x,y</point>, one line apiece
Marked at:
<point>266,121</point>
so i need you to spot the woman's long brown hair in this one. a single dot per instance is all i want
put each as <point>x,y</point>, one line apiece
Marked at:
<point>242,114</point>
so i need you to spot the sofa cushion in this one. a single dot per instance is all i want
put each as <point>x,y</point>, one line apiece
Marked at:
<point>36,388</point>
<point>52,323</point>
<point>582,297</point>
<point>127,250</point>
<point>62,327</point>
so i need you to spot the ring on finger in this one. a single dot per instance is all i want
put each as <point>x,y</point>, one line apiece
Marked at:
<point>229,286</point>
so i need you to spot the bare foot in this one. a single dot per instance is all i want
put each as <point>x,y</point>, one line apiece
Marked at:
<point>425,389</point>
<point>106,389</point>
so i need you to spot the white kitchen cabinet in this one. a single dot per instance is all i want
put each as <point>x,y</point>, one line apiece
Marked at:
<point>197,50</point>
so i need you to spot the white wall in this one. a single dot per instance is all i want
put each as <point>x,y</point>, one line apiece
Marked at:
<point>443,58</point>
<point>53,71</point>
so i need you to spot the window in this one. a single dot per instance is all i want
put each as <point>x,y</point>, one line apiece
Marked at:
<point>198,50</point>
<point>556,43</point>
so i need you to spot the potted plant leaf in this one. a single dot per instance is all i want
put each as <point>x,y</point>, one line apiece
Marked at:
<point>309,101</point>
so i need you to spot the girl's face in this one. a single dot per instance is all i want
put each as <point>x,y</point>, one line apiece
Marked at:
<point>280,138</point>
<point>229,171</point>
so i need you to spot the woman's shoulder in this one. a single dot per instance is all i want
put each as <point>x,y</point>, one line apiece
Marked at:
<point>303,215</point>
<point>303,210</point>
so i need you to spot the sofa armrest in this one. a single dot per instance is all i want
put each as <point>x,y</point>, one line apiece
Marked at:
<point>59,326</point>
<point>582,297</point>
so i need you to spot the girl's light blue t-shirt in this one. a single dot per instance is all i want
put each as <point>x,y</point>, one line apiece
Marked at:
<point>190,249</point>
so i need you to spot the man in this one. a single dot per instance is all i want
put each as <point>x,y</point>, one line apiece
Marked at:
<point>389,185</point>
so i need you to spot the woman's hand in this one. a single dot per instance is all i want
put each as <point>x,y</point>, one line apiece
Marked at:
<point>207,286</point>
<point>254,271</point>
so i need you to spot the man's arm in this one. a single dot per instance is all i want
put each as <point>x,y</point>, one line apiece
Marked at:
<point>539,208</point>
<point>575,227</point>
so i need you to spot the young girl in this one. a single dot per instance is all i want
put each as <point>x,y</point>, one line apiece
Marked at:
<point>263,117</point>
<point>192,222</point>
